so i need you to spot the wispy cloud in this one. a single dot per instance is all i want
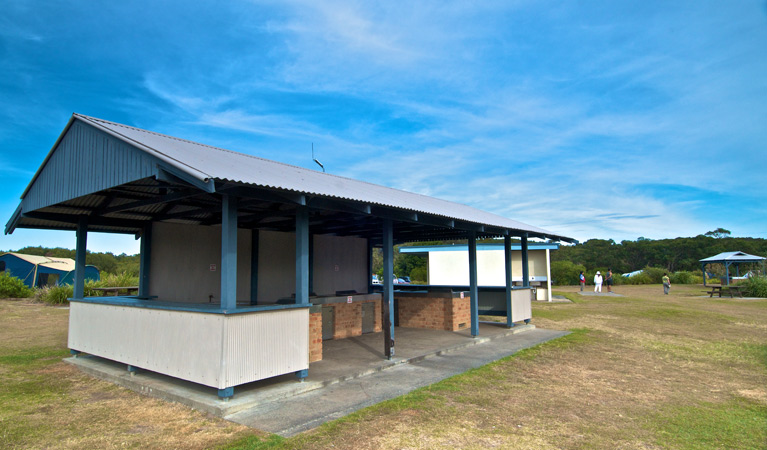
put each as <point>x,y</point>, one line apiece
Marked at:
<point>612,120</point>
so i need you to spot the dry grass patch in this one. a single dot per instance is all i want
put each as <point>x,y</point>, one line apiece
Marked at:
<point>644,371</point>
<point>632,367</point>
<point>50,404</point>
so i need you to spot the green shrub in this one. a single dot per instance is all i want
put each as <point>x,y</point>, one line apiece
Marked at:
<point>685,277</point>
<point>12,287</point>
<point>565,273</point>
<point>639,278</point>
<point>418,275</point>
<point>57,295</point>
<point>54,295</point>
<point>654,275</point>
<point>123,279</point>
<point>755,287</point>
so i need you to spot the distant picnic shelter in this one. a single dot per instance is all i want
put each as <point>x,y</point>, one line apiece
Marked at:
<point>728,259</point>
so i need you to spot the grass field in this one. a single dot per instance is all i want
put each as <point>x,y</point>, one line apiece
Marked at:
<point>645,371</point>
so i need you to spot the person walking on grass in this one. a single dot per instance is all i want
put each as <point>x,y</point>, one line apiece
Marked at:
<point>666,283</point>
<point>609,280</point>
<point>598,282</point>
<point>582,280</point>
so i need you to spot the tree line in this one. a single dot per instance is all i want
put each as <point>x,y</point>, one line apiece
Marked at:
<point>673,255</point>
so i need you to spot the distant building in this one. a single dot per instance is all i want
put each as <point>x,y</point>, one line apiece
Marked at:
<point>449,265</point>
<point>39,271</point>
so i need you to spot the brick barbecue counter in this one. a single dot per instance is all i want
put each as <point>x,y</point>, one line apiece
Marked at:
<point>436,310</point>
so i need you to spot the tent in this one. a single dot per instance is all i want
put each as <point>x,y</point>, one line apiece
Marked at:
<point>727,259</point>
<point>39,271</point>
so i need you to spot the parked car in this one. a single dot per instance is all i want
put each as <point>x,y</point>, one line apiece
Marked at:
<point>376,280</point>
<point>407,279</point>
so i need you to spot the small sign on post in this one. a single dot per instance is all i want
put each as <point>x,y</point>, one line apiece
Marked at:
<point>349,299</point>
<point>212,267</point>
<point>461,294</point>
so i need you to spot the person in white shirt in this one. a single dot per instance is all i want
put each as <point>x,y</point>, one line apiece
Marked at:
<point>598,282</point>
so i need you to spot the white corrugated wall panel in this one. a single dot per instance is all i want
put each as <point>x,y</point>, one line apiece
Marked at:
<point>266,344</point>
<point>521,305</point>
<point>181,344</point>
<point>216,350</point>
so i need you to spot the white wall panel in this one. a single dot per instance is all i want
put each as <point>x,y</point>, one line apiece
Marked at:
<point>340,264</point>
<point>276,266</point>
<point>266,344</point>
<point>521,308</point>
<point>216,350</point>
<point>452,267</point>
<point>181,259</point>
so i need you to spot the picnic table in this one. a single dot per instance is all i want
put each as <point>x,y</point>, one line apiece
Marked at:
<point>115,291</point>
<point>719,289</point>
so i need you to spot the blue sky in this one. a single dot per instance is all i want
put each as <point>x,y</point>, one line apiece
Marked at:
<point>598,119</point>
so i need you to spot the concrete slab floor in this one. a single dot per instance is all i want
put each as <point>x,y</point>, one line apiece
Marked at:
<point>352,375</point>
<point>600,294</point>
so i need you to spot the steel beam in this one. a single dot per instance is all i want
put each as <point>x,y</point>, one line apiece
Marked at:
<point>341,206</point>
<point>273,196</point>
<point>149,202</point>
<point>75,219</point>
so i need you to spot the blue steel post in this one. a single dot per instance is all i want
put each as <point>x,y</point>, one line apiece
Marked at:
<point>81,245</point>
<point>226,393</point>
<point>703,268</point>
<point>525,265</point>
<point>144,264</point>
<point>229,252</point>
<point>507,270</point>
<point>254,267</point>
<point>727,272</point>
<point>302,255</point>
<point>388,287</point>
<point>473,290</point>
<point>302,264</point>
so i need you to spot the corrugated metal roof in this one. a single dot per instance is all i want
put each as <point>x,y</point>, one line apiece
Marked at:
<point>206,163</point>
<point>732,257</point>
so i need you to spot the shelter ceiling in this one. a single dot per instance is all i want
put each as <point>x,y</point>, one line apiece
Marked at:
<point>128,208</point>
